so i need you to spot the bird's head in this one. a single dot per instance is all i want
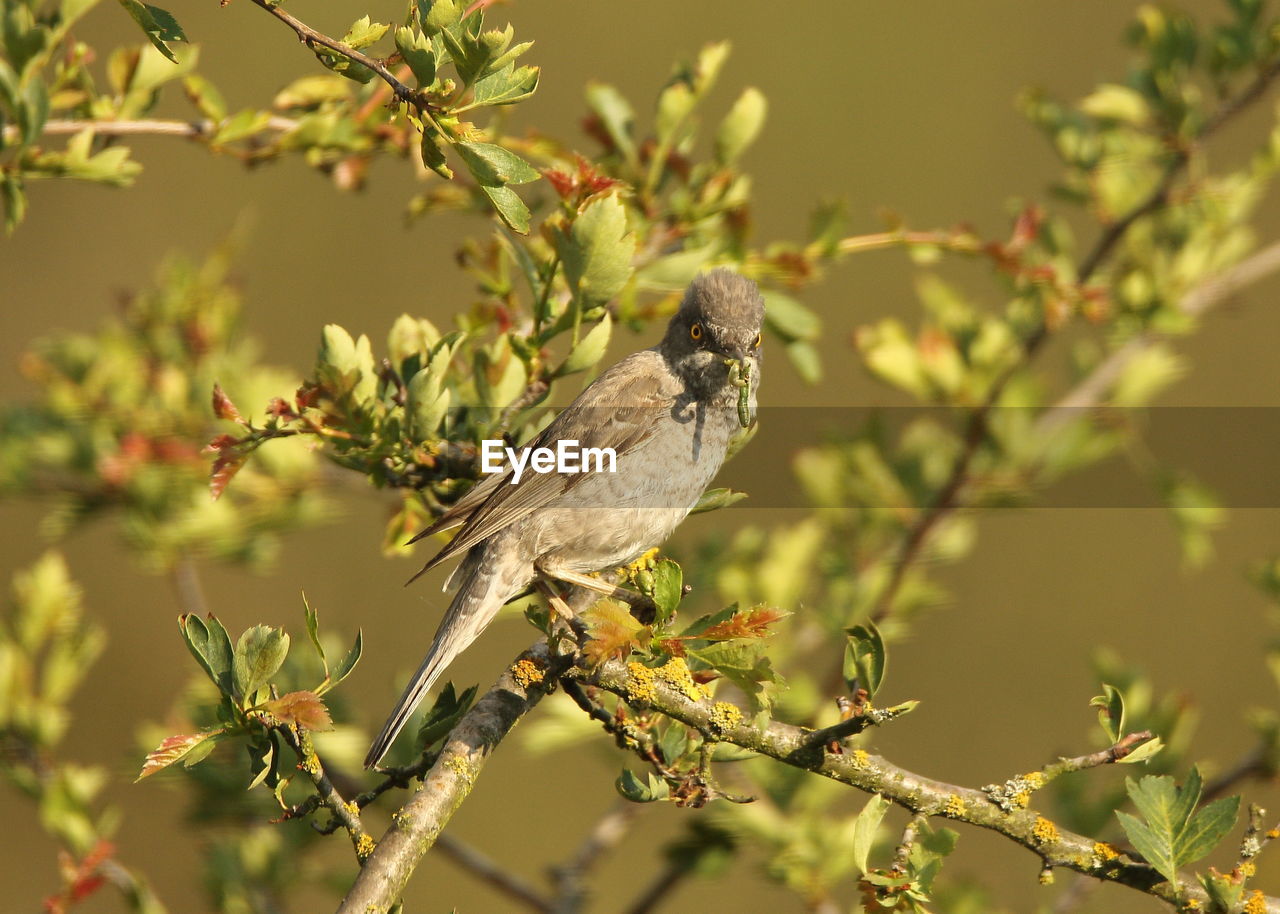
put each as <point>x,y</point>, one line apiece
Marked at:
<point>719,319</point>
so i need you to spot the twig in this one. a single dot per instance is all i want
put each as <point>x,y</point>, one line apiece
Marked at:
<point>976,431</point>
<point>492,873</point>
<point>348,814</point>
<point>1204,297</point>
<point>417,825</point>
<point>1056,847</point>
<point>606,834</point>
<point>661,886</point>
<point>310,37</point>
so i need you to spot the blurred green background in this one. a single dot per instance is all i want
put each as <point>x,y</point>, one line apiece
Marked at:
<point>904,106</point>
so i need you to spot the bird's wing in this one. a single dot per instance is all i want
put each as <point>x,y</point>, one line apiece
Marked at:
<point>461,509</point>
<point>619,411</point>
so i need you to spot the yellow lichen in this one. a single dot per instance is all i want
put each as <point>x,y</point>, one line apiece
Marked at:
<point>1193,904</point>
<point>955,807</point>
<point>1257,903</point>
<point>458,766</point>
<point>1103,853</point>
<point>1046,876</point>
<point>364,846</point>
<point>1248,870</point>
<point>1021,800</point>
<point>860,758</point>
<point>641,688</point>
<point>1274,833</point>
<point>675,672</point>
<point>643,563</point>
<point>1044,831</point>
<point>353,807</point>
<point>310,764</point>
<point>1034,780</point>
<point>526,673</point>
<point>724,716</point>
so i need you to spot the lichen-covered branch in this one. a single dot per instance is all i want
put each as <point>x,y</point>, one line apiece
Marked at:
<point>416,825</point>
<point>1056,847</point>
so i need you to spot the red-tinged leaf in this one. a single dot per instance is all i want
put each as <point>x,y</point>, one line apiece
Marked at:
<point>562,181</point>
<point>753,623</point>
<point>613,632</point>
<point>279,409</point>
<point>224,469</point>
<point>1026,227</point>
<point>223,408</point>
<point>174,749</point>
<point>220,443</point>
<point>303,709</point>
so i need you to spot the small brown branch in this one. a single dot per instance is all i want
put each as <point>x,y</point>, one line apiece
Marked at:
<point>417,825</point>
<point>1091,390</point>
<point>347,814</point>
<point>1054,845</point>
<point>199,129</point>
<point>662,885</point>
<point>310,37</point>
<point>492,873</point>
<point>948,497</point>
<point>570,877</point>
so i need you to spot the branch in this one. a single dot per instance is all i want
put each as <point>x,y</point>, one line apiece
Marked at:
<point>948,496</point>
<point>492,873</point>
<point>310,37</point>
<point>1056,847</point>
<point>417,825</point>
<point>1204,297</point>
<point>199,129</point>
<point>605,835</point>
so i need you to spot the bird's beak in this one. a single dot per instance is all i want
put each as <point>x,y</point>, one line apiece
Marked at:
<point>737,353</point>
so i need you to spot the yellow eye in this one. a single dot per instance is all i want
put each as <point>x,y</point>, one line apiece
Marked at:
<point>756,344</point>
<point>695,330</point>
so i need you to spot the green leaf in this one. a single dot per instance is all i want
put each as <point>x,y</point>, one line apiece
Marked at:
<point>313,632</point>
<point>14,199</point>
<point>714,499</point>
<point>159,25</point>
<point>240,126</point>
<point>211,646</point>
<point>510,208</point>
<point>668,588</point>
<point>741,126</point>
<point>259,654</point>
<point>865,828</point>
<point>436,15</point>
<point>342,669</point>
<point>432,149</point>
<point>1206,829</point>
<point>1110,705</point>
<point>616,117</point>
<point>590,349</point>
<point>33,111</point>
<point>865,658</point>
<point>443,715</point>
<point>745,664</point>
<point>1155,847</point>
<point>504,87</point>
<point>418,53</point>
<point>790,319</point>
<point>363,33</point>
<point>495,165</point>
<point>805,360</point>
<point>1146,751</point>
<point>597,252</point>
<point>638,791</point>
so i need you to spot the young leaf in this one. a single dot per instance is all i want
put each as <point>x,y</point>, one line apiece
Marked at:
<point>1156,847</point>
<point>211,646</point>
<point>313,632</point>
<point>509,206</point>
<point>715,499</point>
<point>443,715</point>
<point>590,348</point>
<point>865,828</point>
<point>418,54</point>
<point>259,654</point>
<point>342,669</point>
<point>504,87</point>
<point>668,588</point>
<point>159,25</point>
<point>616,117</point>
<point>303,709</point>
<point>613,631</point>
<point>865,658</point>
<point>1207,827</point>
<point>179,748</point>
<point>494,165</point>
<point>741,126</point>
<point>1110,705</point>
<point>638,791</point>
<point>597,251</point>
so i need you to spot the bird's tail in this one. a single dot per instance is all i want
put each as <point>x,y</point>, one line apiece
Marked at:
<point>483,590</point>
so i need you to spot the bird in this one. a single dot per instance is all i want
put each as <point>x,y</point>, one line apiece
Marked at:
<point>668,412</point>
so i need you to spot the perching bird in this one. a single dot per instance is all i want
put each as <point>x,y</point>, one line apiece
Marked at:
<point>668,413</point>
